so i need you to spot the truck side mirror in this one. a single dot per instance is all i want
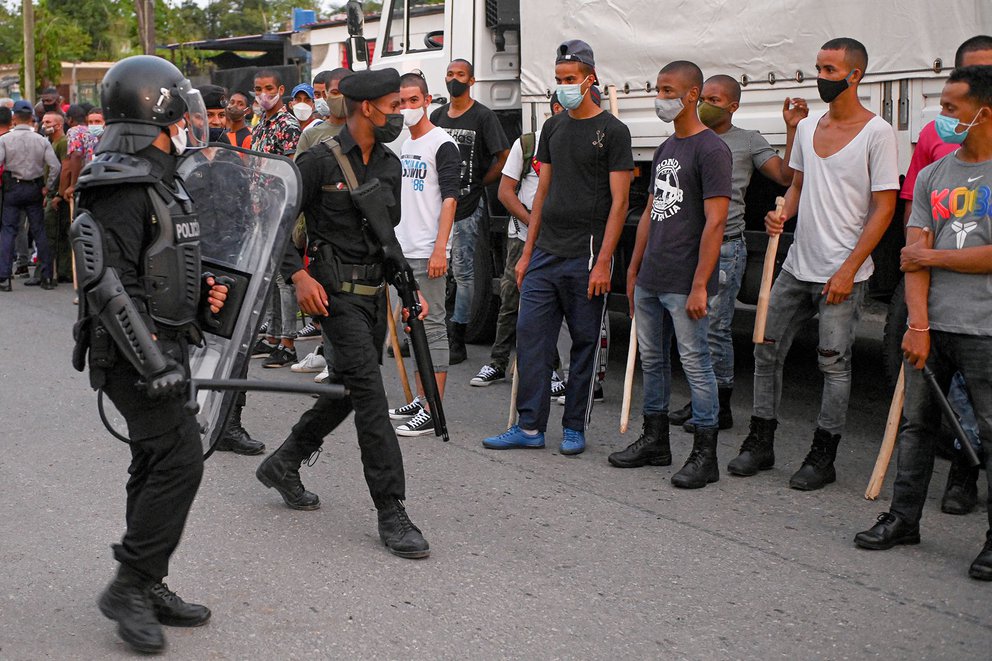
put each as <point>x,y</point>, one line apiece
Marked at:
<point>356,19</point>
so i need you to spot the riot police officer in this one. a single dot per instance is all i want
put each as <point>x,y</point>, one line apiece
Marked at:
<point>135,238</point>
<point>353,250</point>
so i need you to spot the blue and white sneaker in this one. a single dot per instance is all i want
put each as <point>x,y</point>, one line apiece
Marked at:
<point>573,443</point>
<point>514,437</point>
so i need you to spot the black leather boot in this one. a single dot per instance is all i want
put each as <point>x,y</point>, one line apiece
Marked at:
<point>890,530</point>
<point>172,611</point>
<point>236,438</point>
<point>961,493</point>
<point>758,449</point>
<point>700,468</point>
<point>981,568</point>
<point>651,449</point>
<point>457,353</point>
<point>126,602</point>
<point>817,470</point>
<point>281,471</point>
<point>681,416</point>
<point>398,533</point>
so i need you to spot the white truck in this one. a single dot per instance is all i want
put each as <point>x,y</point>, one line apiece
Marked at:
<point>769,46</point>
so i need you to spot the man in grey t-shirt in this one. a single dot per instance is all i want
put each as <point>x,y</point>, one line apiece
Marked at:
<point>720,100</point>
<point>948,266</point>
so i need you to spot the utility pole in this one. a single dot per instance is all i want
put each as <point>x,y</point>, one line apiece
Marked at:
<point>145,9</point>
<point>27,85</point>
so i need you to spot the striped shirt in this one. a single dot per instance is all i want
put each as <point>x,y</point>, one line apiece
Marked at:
<point>24,154</point>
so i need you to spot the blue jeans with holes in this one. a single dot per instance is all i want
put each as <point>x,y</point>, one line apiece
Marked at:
<point>733,260</point>
<point>660,317</point>
<point>793,303</point>
<point>463,238</point>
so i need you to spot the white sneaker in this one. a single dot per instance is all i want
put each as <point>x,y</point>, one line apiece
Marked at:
<point>421,424</point>
<point>323,375</point>
<point>313,362</point>
<point>407,411</point>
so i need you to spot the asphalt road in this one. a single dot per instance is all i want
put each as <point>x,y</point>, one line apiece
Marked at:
<point>534,555</point>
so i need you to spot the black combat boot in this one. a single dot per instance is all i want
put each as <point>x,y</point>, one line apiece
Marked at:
<point>651,449</point>
<point>172,611</point>
<point>457,353</point>
<point>981,568</point>
<point>681,416</point>
<point>126,602</point>
<point>961,493</point>
<point>236,438</point>
<point>758,449</point>
<point>726,418</point>
<point>281,471</point>
<point>700,468</point>
<point>817,470</point>
<point>398,533</point>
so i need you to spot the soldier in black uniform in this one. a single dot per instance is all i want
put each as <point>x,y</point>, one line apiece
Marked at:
<point>136,243</point>
<point>352,252</point>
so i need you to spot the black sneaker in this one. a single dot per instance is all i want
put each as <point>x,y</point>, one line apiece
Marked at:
<point>557,386</point>
<point>308,332</point>
<point>421,424</point>
<point>407,410</point>
<point>263,348</point>
<point>263,329</point>
<point>487,375</point>
<point>597,394</point>
<point>404,349</point>
<point>280,357</point>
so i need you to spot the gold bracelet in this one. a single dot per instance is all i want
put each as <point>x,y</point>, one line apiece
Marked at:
<point>920,330</point>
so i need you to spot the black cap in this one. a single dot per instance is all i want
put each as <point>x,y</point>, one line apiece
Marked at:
<point>367,85</point>
<point>214,96</point>
<point>575,50</point>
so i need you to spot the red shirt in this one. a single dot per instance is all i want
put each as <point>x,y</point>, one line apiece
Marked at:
<point>929,149</point>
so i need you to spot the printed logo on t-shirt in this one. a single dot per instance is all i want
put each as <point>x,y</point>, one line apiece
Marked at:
<point>415,170</point>
<point>667,192</point>
<point>465,138</point>
<point>953,204</point>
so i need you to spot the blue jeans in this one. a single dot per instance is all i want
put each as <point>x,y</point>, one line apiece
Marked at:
<point>793,303</point>
<point>463,238</point>
<point>949,353</point>
<point>961,402</point>
<point>26,197</point>
<point>659,317</point>
<point>556,287</point>
<point>733,260</point>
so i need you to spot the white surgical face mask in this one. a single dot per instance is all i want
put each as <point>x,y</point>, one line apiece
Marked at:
<point>303,111</point>
<point>179,141</point>
<point>320,105</point>
<point>412,116</point>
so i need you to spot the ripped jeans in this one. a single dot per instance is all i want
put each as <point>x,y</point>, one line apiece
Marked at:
<point>793,303</point>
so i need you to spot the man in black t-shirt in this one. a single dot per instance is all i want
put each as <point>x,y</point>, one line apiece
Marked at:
<point>564,270</point>
<point>484,149</point>
<point>673,273</point>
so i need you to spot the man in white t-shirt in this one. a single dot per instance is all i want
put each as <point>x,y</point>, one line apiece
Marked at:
<point>844,190</point>
<point>516,191</point>
<point>429,196</point>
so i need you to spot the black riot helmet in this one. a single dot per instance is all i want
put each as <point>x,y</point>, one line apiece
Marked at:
<point>143,94</point>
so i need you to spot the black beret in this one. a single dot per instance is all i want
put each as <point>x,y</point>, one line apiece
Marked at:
<point>214,96</point>
<point>367,85</point>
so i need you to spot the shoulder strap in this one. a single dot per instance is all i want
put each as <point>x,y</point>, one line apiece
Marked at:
<point>527,145</point>
<point>344,163</point>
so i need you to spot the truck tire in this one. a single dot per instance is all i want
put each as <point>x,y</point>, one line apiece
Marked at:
<point>485,301</point>
<point>895,328</point>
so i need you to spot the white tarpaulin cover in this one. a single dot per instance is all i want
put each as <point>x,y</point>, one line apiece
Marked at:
<point>633,39</point>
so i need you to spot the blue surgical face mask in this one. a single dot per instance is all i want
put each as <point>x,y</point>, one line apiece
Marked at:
<point>947,128</point>
<point>95,129</point>
<point>570,96</point>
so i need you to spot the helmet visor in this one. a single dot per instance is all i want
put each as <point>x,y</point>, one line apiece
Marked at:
<point>197,128</point>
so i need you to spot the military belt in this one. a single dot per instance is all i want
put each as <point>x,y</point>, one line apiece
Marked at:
<point>362,290</point>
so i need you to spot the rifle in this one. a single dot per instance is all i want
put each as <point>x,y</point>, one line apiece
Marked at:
<point>407,288</point>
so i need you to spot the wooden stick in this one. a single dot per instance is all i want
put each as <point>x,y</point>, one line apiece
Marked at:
<point>889,439</point>
<point>72,217</point>
<point>611,90</point>
<point>767,273</point>
<point>628,377</point>
<point>394,340</point>
<point>512,417</point>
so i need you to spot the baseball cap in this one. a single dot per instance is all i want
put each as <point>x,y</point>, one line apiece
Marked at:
<point>575,50</point>
<point>22,106</point>
<point>303,87</point>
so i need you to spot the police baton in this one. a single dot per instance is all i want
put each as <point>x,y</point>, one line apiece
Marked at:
<point>970,456</point>
<point>332,390</point>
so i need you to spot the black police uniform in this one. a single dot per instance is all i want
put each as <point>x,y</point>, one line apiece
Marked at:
<point>166,452</point>
<point>355,325</point>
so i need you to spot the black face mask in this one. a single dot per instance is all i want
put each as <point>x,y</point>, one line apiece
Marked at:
<point>391,129</point>
<point>831,89</point>
<point>456,87</point>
